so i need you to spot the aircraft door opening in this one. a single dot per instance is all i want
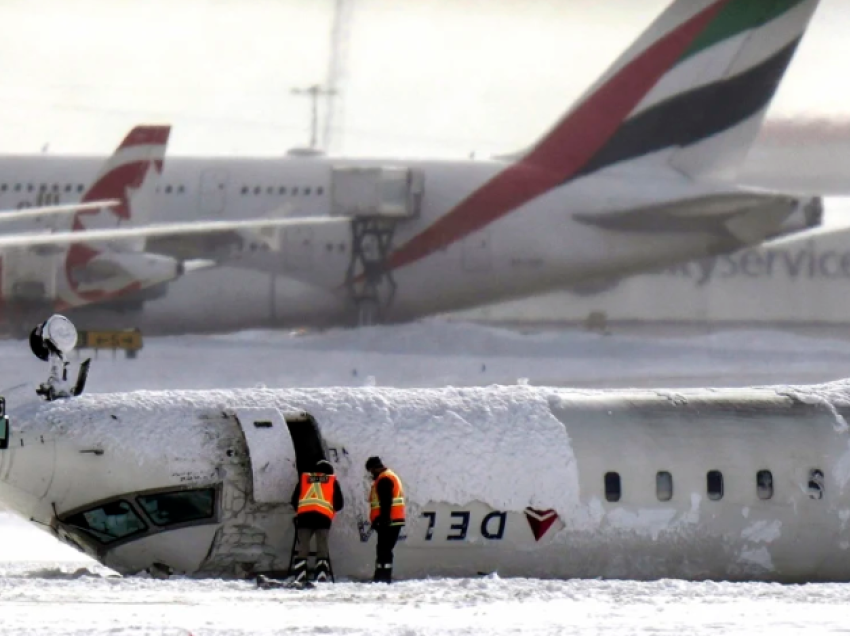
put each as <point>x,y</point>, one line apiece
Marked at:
<point>272,453</point>
<point>213,192</point>
<point>477,255</point>
<point>280,448</point>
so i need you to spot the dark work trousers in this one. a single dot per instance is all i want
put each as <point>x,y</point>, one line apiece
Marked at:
<point>304,536</point>
<point>387,537</point>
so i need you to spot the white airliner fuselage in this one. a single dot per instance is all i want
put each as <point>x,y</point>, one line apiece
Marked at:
<point>541,245</point>
<point>523,481</point>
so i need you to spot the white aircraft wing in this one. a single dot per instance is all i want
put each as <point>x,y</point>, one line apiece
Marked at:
<point>263,228</point>
<point>7,216</point>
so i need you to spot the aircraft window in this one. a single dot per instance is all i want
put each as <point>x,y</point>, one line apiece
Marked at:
<point>169,508</point>
<point>181,189</point>
<point>664,485</point>
<point>29,187</point>
<point>257,190</point>
<point>816,483</point>
<point>270,190</point>
<point>68,187</point>
<point>17,187</point>
<point>244,189</point>
<point>294,190</point>
<point>612,486</point>
<point>109,522</point>
<point>307,191</point>
<point>3,187</point>
<point>80,187</point>
<point>764,484</point>
<point>714,480</point>
<point>55,187</point>
<point>42,187</point>
<point>320,190</point>
<point>281,190</point>
<point>168,189</point>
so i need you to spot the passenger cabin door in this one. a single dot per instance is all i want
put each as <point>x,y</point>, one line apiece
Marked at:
<point>213,192</point>
<point>280,447</point>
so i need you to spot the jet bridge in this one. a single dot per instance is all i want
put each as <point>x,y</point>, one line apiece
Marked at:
<point>377,199</point>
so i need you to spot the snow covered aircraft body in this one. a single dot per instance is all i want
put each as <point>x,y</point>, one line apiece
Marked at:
<point>737,484</point>
<point>639,174</point>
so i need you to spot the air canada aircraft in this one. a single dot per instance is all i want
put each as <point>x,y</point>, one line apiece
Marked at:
<point>724,484</point>
<point>638,174</point>
<point>101,255</point>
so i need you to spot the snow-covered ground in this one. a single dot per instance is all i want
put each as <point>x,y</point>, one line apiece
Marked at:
<point>438,353</point>
<point>81,598</point>
<point>49,589</point>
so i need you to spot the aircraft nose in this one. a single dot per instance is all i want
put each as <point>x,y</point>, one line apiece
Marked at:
<point>27,467</point>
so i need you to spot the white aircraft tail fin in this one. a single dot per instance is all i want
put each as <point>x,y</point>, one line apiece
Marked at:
<point>690,93</point>
<point>686,97</point>
<point>127,174</point>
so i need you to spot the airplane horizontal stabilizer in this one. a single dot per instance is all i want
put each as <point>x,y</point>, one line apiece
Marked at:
<point>745,216</point>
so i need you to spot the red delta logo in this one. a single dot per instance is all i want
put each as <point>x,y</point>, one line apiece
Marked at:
<point>540,521</point>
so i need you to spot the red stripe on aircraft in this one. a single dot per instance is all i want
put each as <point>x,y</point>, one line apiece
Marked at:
<point>565,150</point>
<point>114,184</point>
<point>146,136</point>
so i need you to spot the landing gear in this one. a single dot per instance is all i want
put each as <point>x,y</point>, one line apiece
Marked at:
<point>369,279</point>
<point>51,341</point>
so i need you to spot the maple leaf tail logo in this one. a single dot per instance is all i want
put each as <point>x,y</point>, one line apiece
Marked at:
<point>540,521</point>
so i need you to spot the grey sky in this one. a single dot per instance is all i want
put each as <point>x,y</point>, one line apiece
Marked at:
<point>423,77</point>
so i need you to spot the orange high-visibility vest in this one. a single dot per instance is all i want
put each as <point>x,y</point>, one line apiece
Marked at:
<point>397,509</point>
<point>317,494</point>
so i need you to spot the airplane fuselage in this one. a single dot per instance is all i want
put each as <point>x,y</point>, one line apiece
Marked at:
<point>746,484</point>
<point>537,246</point>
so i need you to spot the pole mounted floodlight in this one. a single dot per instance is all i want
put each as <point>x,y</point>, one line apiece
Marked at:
<point>51,341</point>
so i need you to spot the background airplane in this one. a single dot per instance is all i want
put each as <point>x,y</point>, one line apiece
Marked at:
<point>637,175</point>
<point>103,255</point>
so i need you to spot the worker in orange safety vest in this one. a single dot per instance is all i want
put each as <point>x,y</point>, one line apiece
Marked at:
<point>317,497</point>
<point>386,514</point>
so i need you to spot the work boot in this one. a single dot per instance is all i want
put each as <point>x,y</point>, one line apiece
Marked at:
<point>383,573</point>
<point>299,572</point>
<point>323,571</point>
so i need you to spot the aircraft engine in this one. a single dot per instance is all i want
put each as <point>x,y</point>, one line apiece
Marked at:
<point>110,271</point>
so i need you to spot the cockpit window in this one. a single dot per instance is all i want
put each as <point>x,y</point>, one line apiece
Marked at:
<point>169,508</point>
<point>109,522</point>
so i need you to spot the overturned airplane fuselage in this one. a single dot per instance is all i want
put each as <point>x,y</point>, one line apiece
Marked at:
<point>523,481</point>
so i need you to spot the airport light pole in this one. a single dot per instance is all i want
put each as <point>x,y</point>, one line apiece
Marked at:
<point>314,92</point>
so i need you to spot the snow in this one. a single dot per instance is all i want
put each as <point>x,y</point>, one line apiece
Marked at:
<point>436,431</point>
<point>759,556</point>
<point>763,531</point>
<point>437,353</point>
<point>48,588</point>
<point>64,601</point>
